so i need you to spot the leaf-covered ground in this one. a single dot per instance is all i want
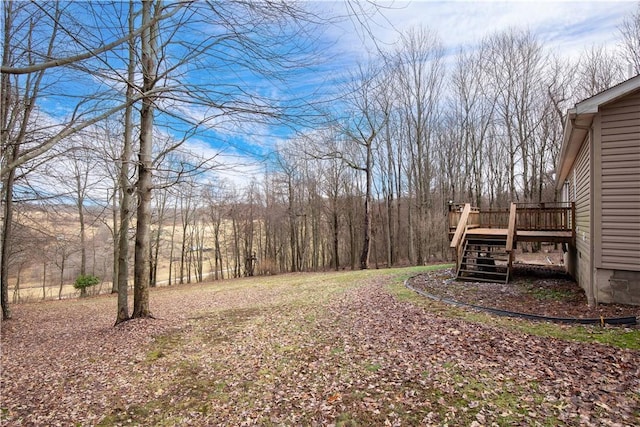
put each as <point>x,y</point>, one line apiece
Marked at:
<point>349,348</point>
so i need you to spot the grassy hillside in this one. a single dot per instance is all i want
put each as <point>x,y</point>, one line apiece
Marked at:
<point>348,348</point>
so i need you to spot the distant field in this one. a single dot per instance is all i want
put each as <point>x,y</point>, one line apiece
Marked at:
<point>347,348</point>
<point>33,293</point>
<point>99,257</point>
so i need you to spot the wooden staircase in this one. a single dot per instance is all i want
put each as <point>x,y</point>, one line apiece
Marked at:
<point>484,258</point>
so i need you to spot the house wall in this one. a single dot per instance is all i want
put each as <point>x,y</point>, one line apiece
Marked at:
<point>568,195</point>
<point>583,218</point>
<point>617,201</point>
<point>580,256</point>
<point>620,178</point>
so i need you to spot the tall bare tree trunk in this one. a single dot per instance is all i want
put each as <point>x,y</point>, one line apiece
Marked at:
<point>125,186</point>
<point>366,226</point>
<point>116,247</point>
<point>5,91</point>
<point>6,241</point>
<point>81,188</point>
<point>44,280</point>
<point>336,234</point>
<point>171,247</point>
<point>62,262</point>
<point>141,267</point>
<point>293,240</point>
<point>155,248</point>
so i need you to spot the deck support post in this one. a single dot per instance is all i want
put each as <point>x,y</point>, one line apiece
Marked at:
<point>511,233</point>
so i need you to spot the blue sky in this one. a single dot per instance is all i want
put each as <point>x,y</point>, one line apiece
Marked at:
<point>566,27</point>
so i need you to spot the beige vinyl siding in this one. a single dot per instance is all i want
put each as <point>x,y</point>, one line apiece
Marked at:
<point>567,192</point>
<point>583,214</point>
<point>620,186</point>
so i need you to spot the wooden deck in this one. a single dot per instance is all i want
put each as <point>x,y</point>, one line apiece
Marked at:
<point>483,240</point>
<point>524,235</point>
<point>496,232</point>
<point>544,236</point>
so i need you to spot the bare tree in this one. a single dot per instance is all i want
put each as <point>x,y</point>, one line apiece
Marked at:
<point>75,171</point>
<point>215,205</point>
<point>36,65</point>
<point>149,48</point>
<point>248,39</point>
<point>473,109</point>
<point>18,103</point>
<point>420,74</point>
<point>368,114</point>
<point>333,175</point>
<point>288,163</point>
<point>124,184</point>
<point>598,70</point>
<point>188,206</point>
<point>65,247</point>
<point>159,213</point>
<point>630,31</point>
<point>516,64</point>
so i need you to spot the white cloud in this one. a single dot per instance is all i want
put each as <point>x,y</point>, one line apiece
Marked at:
<point>232,165</point>
<point>565,25</point>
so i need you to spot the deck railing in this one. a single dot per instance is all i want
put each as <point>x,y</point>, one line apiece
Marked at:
<point>546,217</point>
<point>472,219</point>
<point>495,218</point>
<point>529,217</point>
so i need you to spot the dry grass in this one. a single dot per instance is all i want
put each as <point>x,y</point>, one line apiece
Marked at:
<point>299,349</point>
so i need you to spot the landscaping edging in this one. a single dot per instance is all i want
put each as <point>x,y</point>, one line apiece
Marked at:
<point>631,320</point>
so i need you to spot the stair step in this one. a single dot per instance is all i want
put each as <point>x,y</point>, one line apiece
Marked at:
<point>479,279</point>
<point>485,243</point>
<point>493,254</point>
<point>483,273</point>
<point>483,261</point>
<point>487,239</point>
<point>489,254</point>
<point>500,272</point>
<point>496,249</point>
<point>492,244</point>
<point>487,248</point>
<point>494,273</point>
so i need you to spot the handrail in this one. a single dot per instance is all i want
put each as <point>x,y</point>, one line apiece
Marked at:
<point>511,231</point>
<point>459,252</point>
<point>462,226</point>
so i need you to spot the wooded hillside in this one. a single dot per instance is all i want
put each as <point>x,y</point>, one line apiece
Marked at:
<point>107,124</point>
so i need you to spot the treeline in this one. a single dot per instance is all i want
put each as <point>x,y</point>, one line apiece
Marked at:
<point>366,183</point>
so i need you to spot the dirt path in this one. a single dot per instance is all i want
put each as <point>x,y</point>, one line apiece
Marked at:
<point>300,350</point>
